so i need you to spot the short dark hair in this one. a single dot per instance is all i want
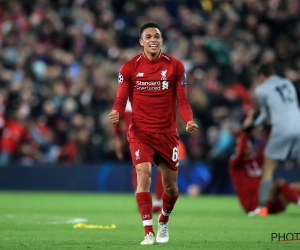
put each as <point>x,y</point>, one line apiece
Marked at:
<point>266,70</point>
<point>149,25</point>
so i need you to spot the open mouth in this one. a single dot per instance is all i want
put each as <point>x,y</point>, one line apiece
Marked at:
<point>153,46</point>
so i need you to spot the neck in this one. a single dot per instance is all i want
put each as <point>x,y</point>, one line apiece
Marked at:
<point>151,56</point>
<point>268,77</point>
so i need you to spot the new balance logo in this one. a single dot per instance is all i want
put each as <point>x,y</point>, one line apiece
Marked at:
<point>139,74</point>
<point>165,85</point>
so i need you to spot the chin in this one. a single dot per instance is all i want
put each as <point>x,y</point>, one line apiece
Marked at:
<point>154,51</point>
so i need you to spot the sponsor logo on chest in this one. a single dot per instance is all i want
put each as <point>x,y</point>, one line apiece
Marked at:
<point>161,84</point>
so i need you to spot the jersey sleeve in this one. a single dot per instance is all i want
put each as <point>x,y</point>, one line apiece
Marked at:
<point>124,86</point>
<point>235,160</point>
<point>184,107</point>
<point>263,108</point>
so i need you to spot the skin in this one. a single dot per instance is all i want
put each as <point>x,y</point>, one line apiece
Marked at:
<point>269,164</point>
<point>151,41</point>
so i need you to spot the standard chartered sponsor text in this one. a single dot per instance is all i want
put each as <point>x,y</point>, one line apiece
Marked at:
<point>151,85</point>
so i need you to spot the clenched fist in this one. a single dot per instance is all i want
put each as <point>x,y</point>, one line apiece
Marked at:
<point>191,127</point>
<point>114,117</point>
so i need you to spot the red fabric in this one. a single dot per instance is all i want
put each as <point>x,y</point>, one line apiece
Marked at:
<point>144,201</point>
<point>12,136</point>
<point>245,173</point>
<point>159,189</point>
<point>167,207</point>
<point>158,180</point>
<point>143,148</point>
<point>154,88</point>
<point>241,92</point>
<point>275,206</point>
<point>289,194</point>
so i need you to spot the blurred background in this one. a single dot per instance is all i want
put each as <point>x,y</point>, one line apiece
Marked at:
<point>59,63</point>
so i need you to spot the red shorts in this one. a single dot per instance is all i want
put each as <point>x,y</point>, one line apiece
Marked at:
<point>154,148</point>
<point>276,206</point>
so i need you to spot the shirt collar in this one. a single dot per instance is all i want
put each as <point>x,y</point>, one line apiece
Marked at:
<point>156,60</point>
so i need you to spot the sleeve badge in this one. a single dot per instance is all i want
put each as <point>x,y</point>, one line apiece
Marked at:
<point>183,81</point>
<point>120,78</point>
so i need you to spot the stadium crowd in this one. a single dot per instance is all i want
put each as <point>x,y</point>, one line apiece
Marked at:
<point>59,63</point>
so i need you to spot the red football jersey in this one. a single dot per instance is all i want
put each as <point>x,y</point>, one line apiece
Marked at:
<point>154,88</point>
<point>246,173</point>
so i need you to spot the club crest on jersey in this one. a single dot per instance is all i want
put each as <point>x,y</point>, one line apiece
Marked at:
<point>120,78</point>
<point>164,74</point>
<point>183,81</point>
<point>137,154</point>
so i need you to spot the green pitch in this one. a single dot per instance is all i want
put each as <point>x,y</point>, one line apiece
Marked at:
<point>45,221</point>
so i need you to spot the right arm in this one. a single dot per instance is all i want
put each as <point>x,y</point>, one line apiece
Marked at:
<point>124,86</point>
<point>236,159</point>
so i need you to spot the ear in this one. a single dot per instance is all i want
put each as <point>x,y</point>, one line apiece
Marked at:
<point>162,41</point>
<point>141,42</point>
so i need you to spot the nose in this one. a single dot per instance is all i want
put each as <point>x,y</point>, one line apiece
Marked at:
<point>153,39</point>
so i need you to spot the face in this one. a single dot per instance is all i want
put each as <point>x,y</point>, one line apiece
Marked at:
<point>151,40</point>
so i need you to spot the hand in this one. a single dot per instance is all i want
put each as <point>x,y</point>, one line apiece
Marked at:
<point>249,119</point>
<point>191,127</point>
<point>114,117</point>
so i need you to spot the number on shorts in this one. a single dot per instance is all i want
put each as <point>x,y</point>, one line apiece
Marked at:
<point>175,154</point>
<point>285,93</point>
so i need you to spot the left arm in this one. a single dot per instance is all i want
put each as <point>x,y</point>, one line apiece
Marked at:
<point>184,107</point>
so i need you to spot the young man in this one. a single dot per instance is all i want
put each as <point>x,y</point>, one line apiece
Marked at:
<point>121,144</point>
<point>245,171</point>
<point>155,83</point>
<point>277,99</point>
